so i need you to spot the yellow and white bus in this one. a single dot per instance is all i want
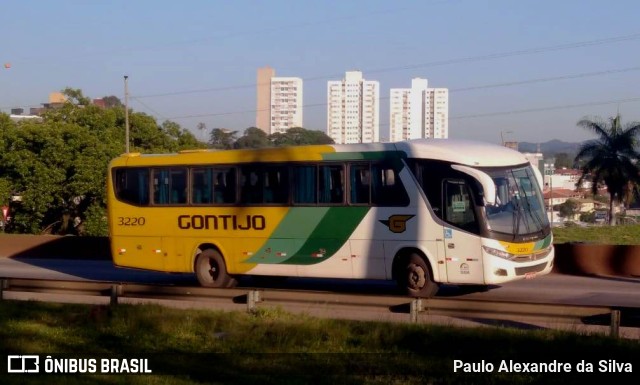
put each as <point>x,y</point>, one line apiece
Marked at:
<point>420,212</point>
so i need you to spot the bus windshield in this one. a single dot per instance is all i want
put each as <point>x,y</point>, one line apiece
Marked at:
<point>519,206</point>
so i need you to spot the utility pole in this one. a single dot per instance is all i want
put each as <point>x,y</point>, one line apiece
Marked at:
<point>126,114</point>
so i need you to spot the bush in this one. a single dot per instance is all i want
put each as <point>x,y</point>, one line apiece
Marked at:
<point>95,223</point>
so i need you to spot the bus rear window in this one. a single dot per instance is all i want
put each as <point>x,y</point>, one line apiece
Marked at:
<point>132,185</point>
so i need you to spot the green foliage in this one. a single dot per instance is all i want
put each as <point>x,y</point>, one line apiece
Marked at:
<point>612,235</point>
<point>297,136</point>
<point>567,209</point>
<point>278,347</point>
<point>256,138</point>
<point>95,223</point>
<point>59,165</point>
<point>611,159</point>
<point>76,96</point>
<point>222,139</point>
<point>112,101</point>
<point>562,160</point>
<point>588,217</point>
<point>253,138</point>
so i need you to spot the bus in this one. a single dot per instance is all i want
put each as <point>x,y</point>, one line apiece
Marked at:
<point>421,212</point>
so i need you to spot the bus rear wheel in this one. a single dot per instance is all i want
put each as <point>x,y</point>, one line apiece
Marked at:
<point>415,278</point>
<point>211,270</point>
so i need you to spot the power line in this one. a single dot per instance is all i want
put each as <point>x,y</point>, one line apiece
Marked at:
<point>150,109</point>
<point>473,88</point>
<point>530,51</point>
<point>549,79</point>
<point>551,108</point>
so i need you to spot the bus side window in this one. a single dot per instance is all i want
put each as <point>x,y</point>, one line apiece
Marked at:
<point>201,186</point>
<point>251,187</point>
<point>305,184</point>
<point>132,185</point>
<point>219,187</point>
<point>331,184</point>
<point>459,206</point>
<point>276,184</point>
<point>178,186</point>
<point>170,186</point>
<point>359,182</point>
<point>386,187</point>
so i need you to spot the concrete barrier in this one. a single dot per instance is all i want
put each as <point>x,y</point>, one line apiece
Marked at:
<point>598,259</point>
<point>54,247</point>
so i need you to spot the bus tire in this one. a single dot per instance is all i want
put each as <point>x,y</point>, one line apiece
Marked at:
<point>416,279</point>
<point>211,270</point>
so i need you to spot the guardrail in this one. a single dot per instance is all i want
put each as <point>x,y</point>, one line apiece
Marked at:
<point>415,308</point>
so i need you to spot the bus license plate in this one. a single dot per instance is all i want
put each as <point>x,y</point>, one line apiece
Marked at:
<point>530,275</point>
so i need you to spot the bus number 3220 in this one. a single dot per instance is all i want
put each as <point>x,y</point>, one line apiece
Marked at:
<point>131,221</point>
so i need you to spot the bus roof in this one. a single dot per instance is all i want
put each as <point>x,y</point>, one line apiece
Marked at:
<point>472,153</point>
<point>467,152</point>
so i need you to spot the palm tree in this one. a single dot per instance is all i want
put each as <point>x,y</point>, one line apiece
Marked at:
<point>611,159</point>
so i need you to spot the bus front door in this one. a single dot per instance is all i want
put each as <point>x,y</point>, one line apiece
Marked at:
<point>462,244</point>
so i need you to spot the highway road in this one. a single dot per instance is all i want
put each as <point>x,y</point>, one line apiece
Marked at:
<point>553,288</point>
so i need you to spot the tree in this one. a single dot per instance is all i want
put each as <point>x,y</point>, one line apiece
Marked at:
<point>568,209</point>
<point>297,136</point>
<point>201,127</point>
<point>177,138</point>
<point>222,139</point>
<point>76,96</point>
<point>59,166</point>
<point>610,159</point>
<point>112,101</point>
<point>253,138</point>
<point>563,160</point>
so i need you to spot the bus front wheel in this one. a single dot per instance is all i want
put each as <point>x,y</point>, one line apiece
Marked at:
<point>416,279</point>
<point>211,270</point>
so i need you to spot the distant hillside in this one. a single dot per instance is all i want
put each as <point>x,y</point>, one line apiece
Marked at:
<point>551,147</point>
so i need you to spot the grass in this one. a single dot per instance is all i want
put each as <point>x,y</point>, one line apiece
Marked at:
<point>274,347</point>
<point>614,235</point>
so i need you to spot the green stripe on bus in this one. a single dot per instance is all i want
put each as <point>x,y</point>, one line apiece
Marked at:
<point>543,243</point>
<point>299,223</point>
<point>330,235</point>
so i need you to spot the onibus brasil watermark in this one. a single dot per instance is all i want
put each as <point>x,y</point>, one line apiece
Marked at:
<point>51,365</point>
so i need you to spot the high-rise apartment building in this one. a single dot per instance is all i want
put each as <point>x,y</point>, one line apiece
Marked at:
<point>279,102</point>
<point>353,109</point>
<point>263,98</point>
<point>418,112</point>
<point>286,104</point>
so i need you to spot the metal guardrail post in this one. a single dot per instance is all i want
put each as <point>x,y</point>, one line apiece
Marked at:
<point>614,327</point>
<point>415,308</point>
<point>116,291</point>
<point>253,297</point>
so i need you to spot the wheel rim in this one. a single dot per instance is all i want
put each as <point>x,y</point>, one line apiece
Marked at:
<point>416,277</point>
<point>212,269</point>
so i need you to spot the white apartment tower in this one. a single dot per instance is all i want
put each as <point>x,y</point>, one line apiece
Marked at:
<point>418,112</point>
<point>286,104</point>
<point>353,109</point>
<point>279,102</point>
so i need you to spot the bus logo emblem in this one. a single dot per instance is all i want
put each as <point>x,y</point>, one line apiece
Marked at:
<point>397,223</point>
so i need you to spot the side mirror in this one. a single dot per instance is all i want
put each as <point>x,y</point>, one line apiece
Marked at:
<point>485,181</point>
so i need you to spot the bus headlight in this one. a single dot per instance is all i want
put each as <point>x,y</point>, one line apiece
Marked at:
<point>518,257</point>
<point>499,253</point>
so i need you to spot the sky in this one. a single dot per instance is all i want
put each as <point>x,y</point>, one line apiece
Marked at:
<point>525,70</point>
